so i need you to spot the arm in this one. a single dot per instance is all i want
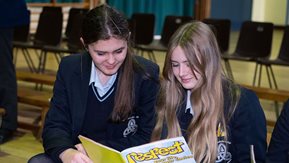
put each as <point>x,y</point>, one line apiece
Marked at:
<point>57,132</point>
<point>248,127</point>
<point>279,143</point>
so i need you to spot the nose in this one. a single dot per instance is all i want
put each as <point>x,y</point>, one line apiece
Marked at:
<point>111,58</point>
<point>183,70</point>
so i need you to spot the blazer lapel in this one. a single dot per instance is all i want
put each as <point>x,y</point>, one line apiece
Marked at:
<point>84,75</point>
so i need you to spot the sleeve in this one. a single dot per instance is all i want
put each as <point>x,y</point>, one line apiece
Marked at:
<point>57,128</point>
<point>279,143</point>
<point>146,92</point>
<point>248,127</point>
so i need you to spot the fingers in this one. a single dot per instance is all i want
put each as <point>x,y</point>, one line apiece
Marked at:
<point>74,156</point>
<point>81,149</point>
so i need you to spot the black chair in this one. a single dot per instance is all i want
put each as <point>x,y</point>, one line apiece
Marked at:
<point>222,30</point>
<point>171,24</point>
<point>254,42</point>
<point>21,34</point>
<point>71,18</point>
<point>281,60</point>
<point>48,32</point>
<point>142,31</point>
<point>72,45</point>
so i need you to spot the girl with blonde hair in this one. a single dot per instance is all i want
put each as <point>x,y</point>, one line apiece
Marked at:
<point>219,119</point>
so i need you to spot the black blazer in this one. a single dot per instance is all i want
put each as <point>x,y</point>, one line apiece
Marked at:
<point>67,107</point>
<point>278,150</point>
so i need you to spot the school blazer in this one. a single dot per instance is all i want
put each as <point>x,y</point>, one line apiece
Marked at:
<point>67,107</point>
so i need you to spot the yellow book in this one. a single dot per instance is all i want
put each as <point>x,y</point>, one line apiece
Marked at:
<point>167,150</point>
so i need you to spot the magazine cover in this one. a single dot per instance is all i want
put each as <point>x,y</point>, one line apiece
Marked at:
<point>163,151</point>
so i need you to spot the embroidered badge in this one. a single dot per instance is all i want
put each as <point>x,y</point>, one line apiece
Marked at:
<point>223,153</point>
<point>131,126</point>
<point>222,149</point>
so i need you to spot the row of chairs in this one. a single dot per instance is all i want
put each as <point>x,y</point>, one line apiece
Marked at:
<point>48,36</point>
<point>142,27</point>
<point>254,45</point>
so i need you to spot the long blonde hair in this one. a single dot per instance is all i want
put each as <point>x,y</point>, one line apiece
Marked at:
<point>201,49</point>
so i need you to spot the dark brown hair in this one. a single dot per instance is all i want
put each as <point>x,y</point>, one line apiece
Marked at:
<point>102,23</point>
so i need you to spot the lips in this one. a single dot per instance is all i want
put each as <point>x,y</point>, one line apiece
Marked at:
<point>186,80</point>
<point>110,67</point>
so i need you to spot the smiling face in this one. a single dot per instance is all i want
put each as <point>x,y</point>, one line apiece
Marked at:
<point>182,70</point>
<point>108,55</point>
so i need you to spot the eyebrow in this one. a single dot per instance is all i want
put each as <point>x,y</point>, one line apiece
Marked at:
<point>99,51</point>
<point>186,61</point>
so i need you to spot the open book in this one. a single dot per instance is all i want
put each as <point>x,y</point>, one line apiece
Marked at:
<point>168,150</point>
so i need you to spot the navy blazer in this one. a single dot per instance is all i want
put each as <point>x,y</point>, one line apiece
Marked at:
<point>13,13</point>
<point>67,107</point>
<point>278,150</point>
<point>246,127</point>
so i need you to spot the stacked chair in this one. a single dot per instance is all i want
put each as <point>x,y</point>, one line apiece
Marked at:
<point>142,27</point>
<point>20,36</point>
<point>254,43</point>
<point>48,32</point>
<point>281,60</point>
<point>222,30</point>
<point>72,42</point>
<point>171,24</point>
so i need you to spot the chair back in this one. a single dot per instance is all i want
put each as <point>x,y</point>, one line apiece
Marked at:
<point>171,24</point>
<point>284,49</point>
<point>49,28</point>
<point>255,39</point>
<point>142,28</point>
<point>222,30</point>
<point>21,32</point>
<point>73,39</point>
<point>70,21</point>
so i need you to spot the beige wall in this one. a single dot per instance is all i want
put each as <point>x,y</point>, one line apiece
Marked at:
<point>270,10</point>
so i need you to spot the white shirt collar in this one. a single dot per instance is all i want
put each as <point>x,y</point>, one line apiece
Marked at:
<point>101,89</point>
<point>189,105</point>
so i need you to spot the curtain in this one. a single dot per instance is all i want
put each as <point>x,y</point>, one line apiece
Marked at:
<point>48,1</point>
<point>160,8</point>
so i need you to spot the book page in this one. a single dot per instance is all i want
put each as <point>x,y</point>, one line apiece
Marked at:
<point>99,153</point>
<point>163,151</point>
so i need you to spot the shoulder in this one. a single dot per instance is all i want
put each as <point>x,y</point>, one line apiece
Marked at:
<point>249,100</point>
<point>249,106</point>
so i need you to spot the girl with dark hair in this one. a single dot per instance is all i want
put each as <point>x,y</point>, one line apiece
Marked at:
<point>219,119</point>
<point>106,94</point>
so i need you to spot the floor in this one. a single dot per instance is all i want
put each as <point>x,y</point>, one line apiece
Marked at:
<point>24,145</point>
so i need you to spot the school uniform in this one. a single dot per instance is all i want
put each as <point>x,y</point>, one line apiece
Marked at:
<point>246,127</point>
<point>278,150</point>
<point>79,107</point>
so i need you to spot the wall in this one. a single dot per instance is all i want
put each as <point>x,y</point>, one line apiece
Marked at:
<point>274,11</point>
<point>237,11</point>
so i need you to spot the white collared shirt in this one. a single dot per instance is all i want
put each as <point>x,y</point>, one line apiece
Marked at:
<point>101,89</point>
<point>189,105</point>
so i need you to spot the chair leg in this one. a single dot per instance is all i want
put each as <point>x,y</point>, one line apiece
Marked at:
<point>269,78</point>
<point>29,60</point>
<point>273,77</point>
<point>255,73</point>
<point>260,75</point>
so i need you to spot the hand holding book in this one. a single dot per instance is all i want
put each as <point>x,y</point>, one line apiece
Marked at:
<point>168,150</point>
